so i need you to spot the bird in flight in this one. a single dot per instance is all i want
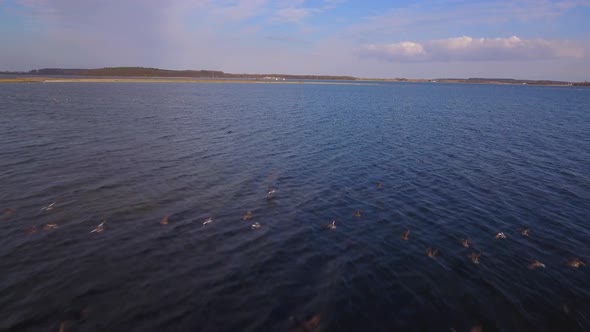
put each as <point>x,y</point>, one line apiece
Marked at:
<point>207,221</point>
<point>99,228</point>
<point>431,252</point>
<point>48,227</point>
<point>536,264</point>
<point>474,257</point>
<point>575,262</point>
<point>248,215</point>
<point>271,193</point>
<point>332,225</point>
<point>164,221</point>
<point>48,207</point>
<point>406,235</point>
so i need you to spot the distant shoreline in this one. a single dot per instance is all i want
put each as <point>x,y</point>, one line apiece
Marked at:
<point>167,80</point>
<point>142,74</point>
<point>37,79</point>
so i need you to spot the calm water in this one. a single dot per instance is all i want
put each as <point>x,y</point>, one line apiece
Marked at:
<point>455,161</point>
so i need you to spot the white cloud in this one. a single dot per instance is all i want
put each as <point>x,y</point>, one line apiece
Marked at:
<point>474,49</point>
<point>400,51</point>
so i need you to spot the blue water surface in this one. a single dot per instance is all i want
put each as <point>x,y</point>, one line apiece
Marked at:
<point>445,161</point>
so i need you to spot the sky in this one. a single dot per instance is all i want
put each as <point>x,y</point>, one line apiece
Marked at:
<point>526,39</point>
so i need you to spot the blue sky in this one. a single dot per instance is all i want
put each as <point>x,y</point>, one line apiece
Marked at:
<point>536,39</point>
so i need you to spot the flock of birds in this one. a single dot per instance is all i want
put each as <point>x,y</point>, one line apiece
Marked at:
<point>431,252</point>
<point>312,323</point>
<point>101,227</point>
<point>474,257</point>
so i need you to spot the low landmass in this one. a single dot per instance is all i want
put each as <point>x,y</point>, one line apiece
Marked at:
<point>168,80</point>
<point>156,72</point>
<point>141,74</point>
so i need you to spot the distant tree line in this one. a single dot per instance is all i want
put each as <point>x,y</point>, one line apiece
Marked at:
<point>156,72</point>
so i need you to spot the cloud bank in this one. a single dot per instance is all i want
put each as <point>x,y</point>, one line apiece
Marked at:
<point>474,49</point>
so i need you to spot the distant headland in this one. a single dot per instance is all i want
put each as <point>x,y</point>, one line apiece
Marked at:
<point>156,72</point>
<point>141,74</point>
